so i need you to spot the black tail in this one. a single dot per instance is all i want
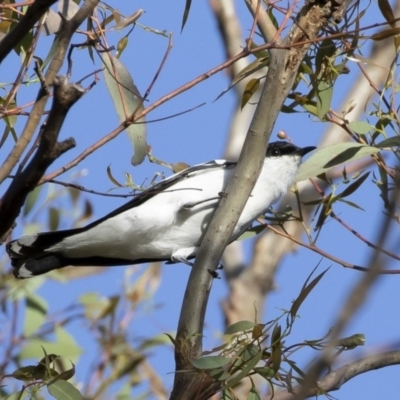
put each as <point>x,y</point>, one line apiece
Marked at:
<point>28,253</point>
<point>26,268</point>
<point>29,256</point>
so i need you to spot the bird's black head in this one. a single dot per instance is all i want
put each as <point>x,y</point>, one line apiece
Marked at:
<point>281,148</point>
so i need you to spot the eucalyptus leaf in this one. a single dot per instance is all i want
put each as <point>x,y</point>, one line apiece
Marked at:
<point>361,127</point>
<point>251,88</point>
<point>324,159</point>
<point>210,362</point>
<point>239,326</point>
<point>254,66</point>
<point>62,390</point>
<point>127,100</point>
<point>246,368</point>
<point>31,200</point>
<point>253,394</point>
<point>387,12</point>
<point>324,98</point>
<point>385,34</point>
<point>390,142</point>
<point>186,13</point>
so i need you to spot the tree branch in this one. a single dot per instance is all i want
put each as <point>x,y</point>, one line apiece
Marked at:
<point>280,77</point>
<point>335,379</point>
<point>64,38</point>
<point>65,96</point>
<point>26,23</point>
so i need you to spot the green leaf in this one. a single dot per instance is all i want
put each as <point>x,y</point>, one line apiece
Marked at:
<point>31,200</point>
<point>324,159</point>
<point>265,372</point>
<point>308,104</point>
<point>121,46</point>
<point>219,374</point>
<point>351,342</point>
<point>171,338</point>
<point>325,51</point>
<point>28,373</point>
<point>361,127</point>
<point>258,54</point>
<point>245,72</point>
<point>64,345</point>
<point>390,142</point>
<point>54,218</point>
<point>127,100</point>
<point>347,155</point>
<point>210,362</point>
<point>126,21</point>
<point>111,177</point>
<point>35,313</point>
<point>257,331</point>
<point>249,352</point>
<point>276,335</point>
<point>304,292</point>
<point>324,98</point>
<point>62,390</point>
<point>385,34</point>
<point>251,87</point>
<point>272,18</point>
<point>65,375</point>
<point>387,12</point>
<point>253,394</point>
<point>246,368</point>
<point>276,357</point>
<point>354,186</point>
<point>251,232</point>
<point>239,327</point>
<point>351,204</point>
<point>97,307</point>
<point>186,13</point>
<point>228,394</point>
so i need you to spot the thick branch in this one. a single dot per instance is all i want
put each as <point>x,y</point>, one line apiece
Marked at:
<point>334,380</point>
<point>65,96</point>
<point>26,23</point>
<point>281,74</point>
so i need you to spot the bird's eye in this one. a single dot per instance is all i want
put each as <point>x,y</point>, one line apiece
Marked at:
<point>276,152</point>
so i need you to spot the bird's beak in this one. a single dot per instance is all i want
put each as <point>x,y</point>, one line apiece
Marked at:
<point>302,152</point>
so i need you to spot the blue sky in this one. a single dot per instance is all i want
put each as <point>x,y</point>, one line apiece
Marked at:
<point>196,137</point>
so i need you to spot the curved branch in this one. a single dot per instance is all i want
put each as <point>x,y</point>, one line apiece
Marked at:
<point>335,379</point>
<point>65,96</point>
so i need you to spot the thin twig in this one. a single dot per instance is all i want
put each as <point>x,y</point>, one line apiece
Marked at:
<point>325,254</point>
<point>362,238</point>
<point>254,24</point>
<point>161,66</point>
<point>83,189</point>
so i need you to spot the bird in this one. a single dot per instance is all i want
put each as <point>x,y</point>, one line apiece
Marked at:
<point>165,222</point>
